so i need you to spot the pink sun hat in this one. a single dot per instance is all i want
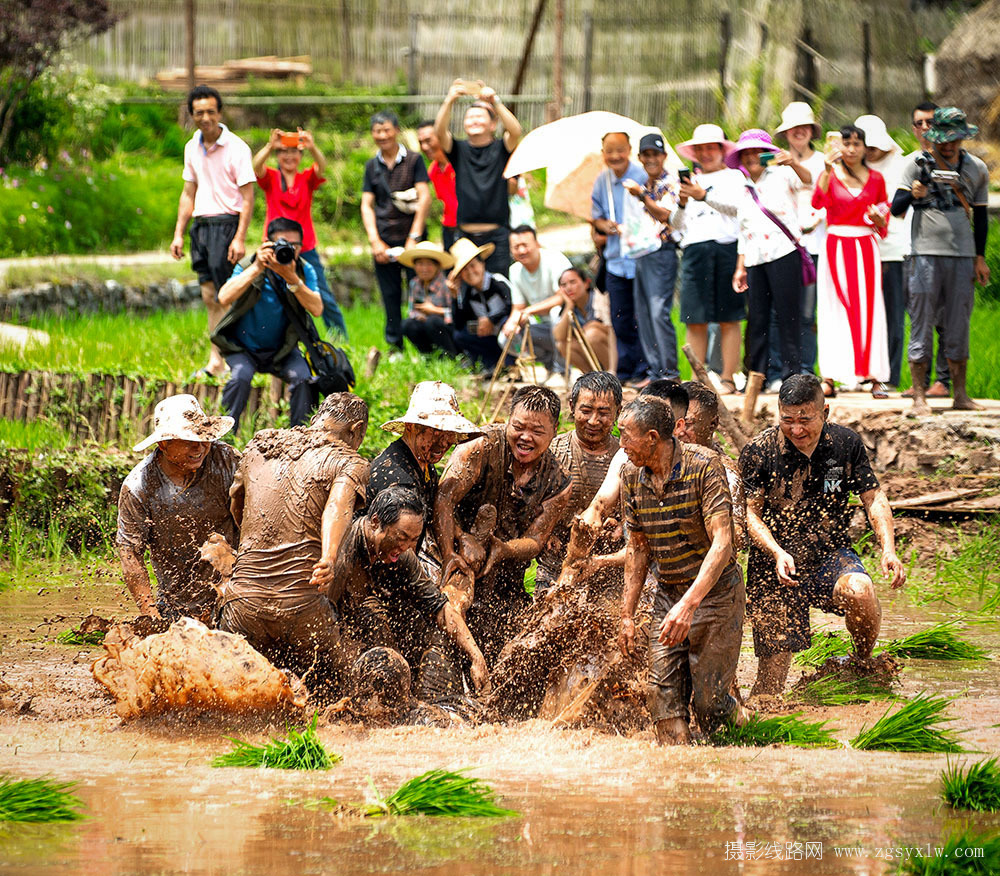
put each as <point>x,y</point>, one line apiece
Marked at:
<point>755,138</point>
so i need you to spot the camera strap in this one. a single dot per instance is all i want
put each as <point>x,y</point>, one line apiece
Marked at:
<point>941,164</point>
<point>309,339</point>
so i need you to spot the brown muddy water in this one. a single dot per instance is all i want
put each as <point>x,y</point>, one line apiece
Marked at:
<point>589,802</point>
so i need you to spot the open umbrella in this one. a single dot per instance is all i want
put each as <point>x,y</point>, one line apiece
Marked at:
<point>570,151</point>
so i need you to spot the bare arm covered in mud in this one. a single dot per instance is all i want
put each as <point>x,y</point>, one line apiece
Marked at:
<point>636,565</point>
<point>452,622</point>
<point>608,495</point>
<point>529,545</point>
<point>136,577</point>
<point>464,469</point>
<point>784,563</point>
<point>880,514</point>
<point>337,518</point>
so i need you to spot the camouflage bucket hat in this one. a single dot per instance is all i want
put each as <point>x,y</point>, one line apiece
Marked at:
<point>950,124</point>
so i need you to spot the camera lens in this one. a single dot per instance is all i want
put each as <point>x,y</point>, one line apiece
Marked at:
<point>284,252</point>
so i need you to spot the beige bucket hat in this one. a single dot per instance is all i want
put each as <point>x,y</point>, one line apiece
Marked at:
<point>798,112</point>
<point>426,249</point>
<point>464,251</point>
<point>434,404</point>
<point>180,417</point>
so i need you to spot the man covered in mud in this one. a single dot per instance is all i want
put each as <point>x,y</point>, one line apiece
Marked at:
<point>509,468</point>
<point>798,477</point>
<point>585,453</point>
<point>678,513</point>
<point>294,496</point>
<point>388,602</point>
<point>170,503</point>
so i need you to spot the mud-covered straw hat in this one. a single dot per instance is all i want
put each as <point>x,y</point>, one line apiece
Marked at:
<point>434,404</point>
<point>181,418</point>
<point>950,124</point>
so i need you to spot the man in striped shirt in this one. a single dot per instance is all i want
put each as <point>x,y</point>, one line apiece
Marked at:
<point>678,512</point>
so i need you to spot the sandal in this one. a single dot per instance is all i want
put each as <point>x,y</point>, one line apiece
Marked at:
<point>829,390</point>
<point>728,387</point>
<point>878,390</point>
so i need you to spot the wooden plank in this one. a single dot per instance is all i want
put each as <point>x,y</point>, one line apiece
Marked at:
<point>986,505</point>
<point>31,396</point>
<point>43,400</point>
<point>114,408</point>
<point>4,379</point>
<point>21,408</point>
<point>938,498</point>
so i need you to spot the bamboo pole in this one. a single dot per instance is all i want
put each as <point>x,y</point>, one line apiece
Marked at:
<point>754,385</point>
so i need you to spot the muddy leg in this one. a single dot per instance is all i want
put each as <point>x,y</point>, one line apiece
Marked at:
<point>918,373</point>
<point>855,593</point>
<point>772,672</point>
<point>962,401</point>
<point>673,731</point>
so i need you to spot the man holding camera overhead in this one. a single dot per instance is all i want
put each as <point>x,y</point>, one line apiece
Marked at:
<point>948,189</point>
<point>257,334</point>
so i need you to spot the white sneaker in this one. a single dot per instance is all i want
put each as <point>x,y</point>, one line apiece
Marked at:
<point>774,386</point>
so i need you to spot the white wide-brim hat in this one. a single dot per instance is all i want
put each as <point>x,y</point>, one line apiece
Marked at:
<point>876,134</point>
<point>426,249</point>
<point>181,418</point>
<point>797,113</point>
<point>464,251</point>
<point>702,136</point>
<point>434,404</point>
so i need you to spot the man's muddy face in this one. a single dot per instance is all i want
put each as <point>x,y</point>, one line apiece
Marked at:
<point>802,424</point>
<point>428,142</point>
<point>185,455</point>
<point>206,114</point>
<point>391,542</point>
<point>425,269</point>
<point>594,417</point>
<point>698,427</point>
<point>429,445</point>
<point>639,446</point>
<point>615,151</point>
<point>478,121</point>
<point>529,434</point>
<point>710,156</point>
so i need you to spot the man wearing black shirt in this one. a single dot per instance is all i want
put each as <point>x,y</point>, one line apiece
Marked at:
<point>798,477</point>
<point>479,162</point>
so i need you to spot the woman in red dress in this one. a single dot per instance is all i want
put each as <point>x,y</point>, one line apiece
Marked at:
<point>853,341</point>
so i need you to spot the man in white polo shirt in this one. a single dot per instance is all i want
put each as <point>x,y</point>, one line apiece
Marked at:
<point>218,194</point>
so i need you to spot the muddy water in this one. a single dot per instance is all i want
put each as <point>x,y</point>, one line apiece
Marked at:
<point>589,803</point>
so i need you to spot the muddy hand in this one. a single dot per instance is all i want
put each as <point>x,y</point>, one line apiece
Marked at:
<point>784,565</point>
<point>893,569</point>
<point>626,636</point>
<point>676,625</point>
<point>481,676</point>
<point>322,575</point>
<point>496,554</point>
<point>456,564</point>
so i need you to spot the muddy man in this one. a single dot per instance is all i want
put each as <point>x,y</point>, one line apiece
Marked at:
<point>798,477</point>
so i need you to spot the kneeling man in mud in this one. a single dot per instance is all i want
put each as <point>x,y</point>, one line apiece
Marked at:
<point>678,513</point>
<point>512,470</point>
<point>389,607</point>
<point>295,495</point>
<point>798,477</point>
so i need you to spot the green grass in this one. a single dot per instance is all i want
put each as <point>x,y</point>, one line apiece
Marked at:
<point>970,570</point>
<point>38,435</point>
<point>782,729</point>
<point>92,639</point>
<point>916,727</point>
<point>38,800</point>
<point>938,642</point>
<point>63,273</point>
<point>833,691</point>
<point>823,647</point>
<point>299,750</point>
<point>976,788</point>
<point>440,793</point>
<point>963,851</point>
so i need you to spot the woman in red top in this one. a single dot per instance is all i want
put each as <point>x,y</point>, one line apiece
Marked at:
<point>288,193</point>
<point>853,342</point>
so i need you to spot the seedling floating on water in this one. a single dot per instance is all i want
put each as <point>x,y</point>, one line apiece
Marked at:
<point>913,728</point>
<point>299,750</point>
<point>784,729</point>
<point>936,643</point>
<point>38,800</point>
<point>976,788</point>
<point>829,690</point>
<point>92,638</point>
<point>440,792</point>
<point>963,852</point>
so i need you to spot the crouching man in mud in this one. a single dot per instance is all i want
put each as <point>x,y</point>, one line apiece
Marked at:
<point>510,469</point>
<point>798,477</point>
<point>678,513</point>
<point>390,606</point>
<point>294,497</point>
<point>171,502</point>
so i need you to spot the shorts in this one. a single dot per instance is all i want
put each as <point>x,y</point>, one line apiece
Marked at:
<point>779,615</point>
<point>210,239</point>
<point>707,294</point>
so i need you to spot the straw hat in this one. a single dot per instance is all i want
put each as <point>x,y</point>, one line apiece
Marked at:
<point>426,249</point>
<point>434,404</point>
<point>755,138</point>
<point>798,113</point>
<point>702,136</point>
<point>464,251</point>
<point>181,418</point>
<point>876,134</point>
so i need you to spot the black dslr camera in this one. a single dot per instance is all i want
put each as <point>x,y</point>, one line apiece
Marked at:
<point>929,171</point>
<point>284,252</point>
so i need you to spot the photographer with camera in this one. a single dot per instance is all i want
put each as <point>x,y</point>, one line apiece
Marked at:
<point>267,294</point>
<point>948,189</point>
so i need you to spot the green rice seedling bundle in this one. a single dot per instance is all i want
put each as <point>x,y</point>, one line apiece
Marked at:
<point>39,800</point>
<point>91,639</point>
<point>823,647</point>
<point>440,792</point>
<point>964,851</point>
<point>299,750</point>
<point>783,729</point>
<point>938,642</point>
<point>915,727</point>
<point>976,788</point>
<point>830,690</point>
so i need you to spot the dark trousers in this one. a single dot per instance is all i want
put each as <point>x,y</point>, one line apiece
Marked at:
<point>895,316</point>
<point>333,318</point>
<point>655,275</point>
<point>631,362</point>
<point>429,334</point>
<point>485,351</point>
<point>499,260</point>
<point>776,284</point>
<point>449,234</point>
<point>809,344</point>
<point>292,369</point>
<point>390,279</point>
<point>942,374</point>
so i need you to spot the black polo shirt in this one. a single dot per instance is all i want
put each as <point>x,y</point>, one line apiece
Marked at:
<point>479,182</point>
<point>396,466</point>
<point>393,225</point>
<point>805,499</point>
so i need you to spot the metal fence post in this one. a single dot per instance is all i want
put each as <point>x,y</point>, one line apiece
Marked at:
<point>588,58</point>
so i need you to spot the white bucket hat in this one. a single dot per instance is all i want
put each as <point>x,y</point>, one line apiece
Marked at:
<point>876,134</point>
<point>180,417</point>
<point>434,404</point>
<point>798,113</point>
<point>702,136</point>
<point>464,251</point>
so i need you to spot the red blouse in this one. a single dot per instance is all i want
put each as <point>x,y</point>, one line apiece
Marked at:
<point>294,203</point>
<point>843,208</point>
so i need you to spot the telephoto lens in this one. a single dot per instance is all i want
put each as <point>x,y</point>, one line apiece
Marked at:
<point>284,252</point>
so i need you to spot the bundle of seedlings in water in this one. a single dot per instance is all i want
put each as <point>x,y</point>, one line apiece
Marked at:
<point>976,788</point>
<point>783,729</point>
<point>440,793</point>
<point>91,638</point>
<point>39,800</point>
<point>964,851</point>
<point>936,643</point>
<point>915,727</point>
<point>299,750</point>
<point>823,647</point>
<point>832,690</point>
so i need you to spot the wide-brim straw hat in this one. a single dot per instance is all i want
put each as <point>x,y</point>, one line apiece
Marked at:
<point>755,138</point>
<point>434,404</point>
<point>426,249</point>
<point>797,113</point>
<point>702,136</point>
<point>876,134</point>
<point>181,418</point>
<point>464,251</point>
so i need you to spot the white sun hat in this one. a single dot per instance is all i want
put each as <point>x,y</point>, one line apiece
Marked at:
<point>876,134</point>
<point>797,113</point>
<point>434,404</point>
<point>181,418</point>
<point>702,136</point>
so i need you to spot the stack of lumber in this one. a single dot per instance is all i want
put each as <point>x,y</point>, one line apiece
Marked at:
<point>235,74</point>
